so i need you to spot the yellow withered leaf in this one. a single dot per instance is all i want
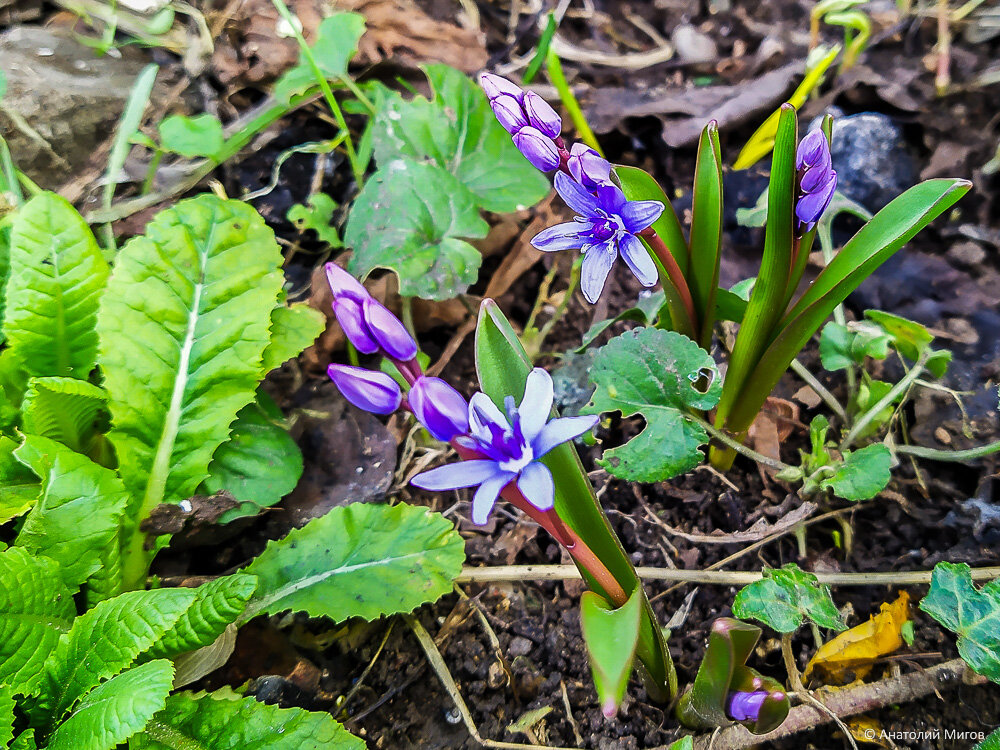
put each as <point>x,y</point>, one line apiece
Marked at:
<point>849,656</point>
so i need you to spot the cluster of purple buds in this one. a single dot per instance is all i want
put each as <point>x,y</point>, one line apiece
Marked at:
<point>531,122</point>
<point>500,448</point>
<point>817,179</point>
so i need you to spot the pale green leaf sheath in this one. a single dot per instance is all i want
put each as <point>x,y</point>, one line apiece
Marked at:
<point>183,327</point>
<point>35,607</point>
<point>57,274</point>
<point>225,721</point>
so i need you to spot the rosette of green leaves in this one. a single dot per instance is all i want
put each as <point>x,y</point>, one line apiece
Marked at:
<point>723,670</point>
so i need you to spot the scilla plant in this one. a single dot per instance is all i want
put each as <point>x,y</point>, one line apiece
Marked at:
<point>130,389</point>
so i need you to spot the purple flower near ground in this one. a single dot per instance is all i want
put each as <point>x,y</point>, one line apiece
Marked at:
<point>367,389</point>
<point>607,225</point>
<point>742,706</point>
<point>439,408</point>
<point>817,179</point>
<point>530,120</point>
<point>511,442</point>
<point>588,167</point>
<point>367,323</point>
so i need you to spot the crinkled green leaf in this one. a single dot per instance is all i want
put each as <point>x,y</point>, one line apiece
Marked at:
<point>19,487</point>
<point>57,274</point>
<point>840,347</point>
<point>457,131</point>
<point>79,511</point>
<point>644,312</point>
<point>611,636</point>
<point>659,374</point>
<point>115,710</point>
<point>863,475</point>
<point>183,327</point>
<point>35,607</point>
<point>784,597</point>
<point>990,743</point>
<point>218,603</point>
<point>317,216</point>
<point>259,464</point>
<point>6,715</point>
<point>336,43</point>
<point>293,328</point>
<point>63,409</point>
<point>222,720</point>
<point>359,560</point>
<point>192,137</point>
<point>24,741</point>
<point>103,642</point>
<point>973,614</point>
<point>399,223</point>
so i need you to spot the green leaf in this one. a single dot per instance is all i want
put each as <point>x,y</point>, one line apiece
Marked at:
<point>644,312</point>
<point>217,604</point>
<point>183,327</point>
<point>223,720</point>
<point>63,409</point>
<point>57,274</point>
<point>659,374</point>
<point>784,597</point>
<point>766,303</point>
<point>841,347</point>
<point>611,636</point>
<point>103,642</point>
<point>359,560</point>
<point>293,328</point>
<point>35,607</point>
<point>990,743</point>
<point>973,614</point>
<point>706,230</point>
<point>24,741</point>
<point>336,43</point>
<point>115,710</point>
<point>911,339</point>
<point>78,513</point>
<point>863,475</point>
<point>192,137</point>
<point>887,232</point>
<point>6,715</point>
<point>317,216</point>
<point>502,366</point>
<point>397,223</point>
<point>259,464</point>
<point>457,131</point>
<point>19,487</point>
<point>684,743</point>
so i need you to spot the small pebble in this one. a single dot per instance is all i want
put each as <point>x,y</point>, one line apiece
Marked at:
<point>693,46</point>
<point>520,646</point>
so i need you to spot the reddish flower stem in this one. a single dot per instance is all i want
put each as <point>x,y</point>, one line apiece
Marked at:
<point>662,252</point>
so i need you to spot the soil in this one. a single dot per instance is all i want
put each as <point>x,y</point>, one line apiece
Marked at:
<point>947,279</point>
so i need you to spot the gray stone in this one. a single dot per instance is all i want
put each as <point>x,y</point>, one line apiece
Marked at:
<point>872,160</point>
<point>62,100</point>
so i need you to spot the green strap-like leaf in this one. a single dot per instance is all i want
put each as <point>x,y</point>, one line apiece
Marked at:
<point>115,710</point>
<point>784,596</point>
<point>973,614</point>
<point>78,513</point>
<point>63,409</point>
<point>103,642</point>
<point>611,636</point>
<point>35,607</point>
<point>660,374</point>
<point>399,224</point>
<point>358,560</point>
<point>706,230</point>
<point>57,274</point>
<point>183,327</point>
<point>223,720</point>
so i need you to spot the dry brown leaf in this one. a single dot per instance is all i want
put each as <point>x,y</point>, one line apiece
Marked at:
<point>773,426</point>
<point>760,530</point>
<point>849,656</point>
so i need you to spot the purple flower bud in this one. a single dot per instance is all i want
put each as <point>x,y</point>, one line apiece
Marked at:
<point>495,85</point>
<point>439,408</point>
<point>588,167</point>
<point>367,389</point>
<point>350,315</point>
<point>509,113</point>
<point>817,179</point>
<point>541,115</point>
<point>389,331</point>
<point>742,706</point>
<point>537,148</point>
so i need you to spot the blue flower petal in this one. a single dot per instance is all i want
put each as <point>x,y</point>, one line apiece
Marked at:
<point>570,235</point>
<point>452,476</point>
<point>536,406</point>
<point>596,266</point>
<point>482,413</point>
<point>610,198</point>
<point>637,259</point>
<point>637,215</point>
<point>576,197</point>
<point>486,496</point>
<point>537,486</point>
<point>560,431</point>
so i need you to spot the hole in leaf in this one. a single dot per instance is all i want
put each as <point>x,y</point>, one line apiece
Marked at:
<point>702,379</point>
